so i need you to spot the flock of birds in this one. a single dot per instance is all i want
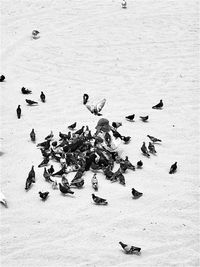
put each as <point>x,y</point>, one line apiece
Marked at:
<point>80,151</point>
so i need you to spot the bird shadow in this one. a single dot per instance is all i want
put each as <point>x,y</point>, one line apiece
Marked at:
<point>1,153</point>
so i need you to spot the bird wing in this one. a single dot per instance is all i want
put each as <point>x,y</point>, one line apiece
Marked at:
<point>90,108</point>
<point>100,104</point>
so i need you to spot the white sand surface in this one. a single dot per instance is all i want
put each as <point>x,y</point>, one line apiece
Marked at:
<point>133,57</point>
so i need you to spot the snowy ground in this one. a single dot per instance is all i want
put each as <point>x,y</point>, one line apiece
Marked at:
<point>133,57</point>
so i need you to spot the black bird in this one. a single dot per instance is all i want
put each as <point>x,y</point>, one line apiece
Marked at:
<point>54,143</point>
<point>26,91</point>
<point>130,117</point>
<point>45,154</point>
<point>65,190</point>
<point>159,105</point>
<point>80,131</point>
<point>42,97</point>
<point>173,168</point>
<point>99,200</point>
<point>19,112</point>
<point>136,194</point>
<point>45,144</point>
<point>130,249</point>
<point>51,170</point>
<point>95,109</point>
<point>35,34</point>
<point>2,78</point>
<point>145,118</point>
<point>153,139</point>
<point>116,124</point>
<point>29,182</point>
<point>43,195</point>
<point>139,164</point>
<point>63,136</point>
<point>126,139</point>
<point>32,135</point>
<point>144,150</point>
<point>72,126</point>
<point>116,134</point>
<point>151,148</point>
<point>32,173</point>
<point>31,102</point>
<point>44,162</point>
<point>47,176</point>
<point>85,98</point>
<point>60,172</point>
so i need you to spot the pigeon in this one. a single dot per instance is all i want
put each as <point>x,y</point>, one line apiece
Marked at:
<point>126,139</point>
<point>144,150</point>
<point>124,4</point>
<point>54,143</point>
<point>85,98</point>
<point>2,78</point>
<point>72,126</point>
<point>55,185</point>
<point>121,179</point>
<point>145,118</point>
<point>32,135</point>
<point>45,144</point>
<point>44,162</point>
<point>19,112</point>
<point>35,34</point>
<point>60,172</point>
<point>29,182</point>
<point>65,190</point>
<point>65,181</point>
<point>153,139</point>
<point>31,102</point>
<point>116,124</point>
<point>43,195</point>
<point>32,174</point>
<point>173,168</point>
<point>63,136</point>
<point>130,249</point>
<point>94,182</point>
<point>45,154</point>
<point>26,91</point>
<point>99,200</point>
<point>151,148</point>
<point>139,164</point>
<point>42,97</point>
<point>47,176</point>
<point>95,109</point>
<point>108,173</point>
<point>78,181</point>
<point>130,117</point>
<point>80,131</point>
<point>51,169</point>
<point>3,200</point>
<point>136,194</point>
<point>159,105</point>
<point>129,165</point>
<point>49,136</point>
<point>116,134</point>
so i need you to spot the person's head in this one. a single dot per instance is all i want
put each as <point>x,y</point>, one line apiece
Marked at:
<point>103,125</point>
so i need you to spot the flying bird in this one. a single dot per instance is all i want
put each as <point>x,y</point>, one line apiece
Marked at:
<point>151,148</point>
<point>145,118</point>
<point>72,126</point>
<point>144,150</point>
<point>43,195</point>
<point>31,102</point>
<point>154,139</point>
<point>65,190</point>
<point>130,249</point>
<point>32,135</point>
<point>2,78</point>
<point>49,136</point>
<point>26,91</point>
<point>99,200</point>
<point>136,194</point>
<point>94,182</point>
<point>95,109</point>
<point>19,112</point>
<point>85,98</point>
<point>3,200</point>
<point>159,105</point>
<point>42,97</point>
<point>130,117</point>
<point>173,168</point>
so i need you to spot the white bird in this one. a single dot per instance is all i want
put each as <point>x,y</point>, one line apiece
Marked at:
<point>124,4</point>
<point>3,200</point>
<point>95,109</point>
<point>94,182</point>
